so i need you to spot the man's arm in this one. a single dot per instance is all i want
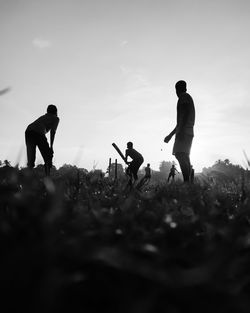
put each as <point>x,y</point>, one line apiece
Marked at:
<point>126,156</point>
<point>52,134</point>
<point>168,137</point>
<point>52,137</point>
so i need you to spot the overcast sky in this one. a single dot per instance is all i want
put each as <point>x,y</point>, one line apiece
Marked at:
<point>110,67</point>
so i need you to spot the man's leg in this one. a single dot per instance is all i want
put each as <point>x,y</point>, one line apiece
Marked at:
<point>31,148</point>
<point>169,175</point>
<point>46,153</point>
<point>134,169</point>
<point>192,175</point>
<point>142,182</point>
<point>135,175</point>
<point>184,161</point>
<point>129,173</point>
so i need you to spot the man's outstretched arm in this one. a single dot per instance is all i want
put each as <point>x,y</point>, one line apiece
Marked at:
<point>168,137</point>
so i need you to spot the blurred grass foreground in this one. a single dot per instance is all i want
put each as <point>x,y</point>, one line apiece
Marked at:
<point>81,243</point>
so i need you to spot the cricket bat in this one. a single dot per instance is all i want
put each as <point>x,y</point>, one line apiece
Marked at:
<point>119,151</point>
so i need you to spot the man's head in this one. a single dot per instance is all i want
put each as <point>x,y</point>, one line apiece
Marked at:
<point>180,87</point>
<point>52,109</point>
<point>148,165</point>
<point>130,145</point>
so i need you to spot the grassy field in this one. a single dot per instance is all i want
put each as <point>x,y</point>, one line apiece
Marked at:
<point>81,243</point>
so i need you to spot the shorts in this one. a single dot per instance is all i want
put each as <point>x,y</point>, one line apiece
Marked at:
<point>183,145</point>
<point>33,140</point>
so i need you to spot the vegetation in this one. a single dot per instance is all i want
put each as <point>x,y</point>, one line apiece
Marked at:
<point>79,241</point>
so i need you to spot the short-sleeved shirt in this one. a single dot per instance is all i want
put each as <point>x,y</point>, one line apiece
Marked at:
<point>183,145</point>
<point>172,170</point>
<point>186,112</point>
<point>133,154</point>
<point>44,124</point>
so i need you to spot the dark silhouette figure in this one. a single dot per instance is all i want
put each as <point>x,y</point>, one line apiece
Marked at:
<point>134,165</point>
<point>147,173</point>
<point>184,129</point>
<point>172,172</point>
<point>146,178</point>
<point>35,135</point>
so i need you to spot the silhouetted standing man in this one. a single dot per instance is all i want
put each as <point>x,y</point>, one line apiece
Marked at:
<point>147,172</point>
<point>172,172</point>
<point>183,131</point>
<point>35,135</point>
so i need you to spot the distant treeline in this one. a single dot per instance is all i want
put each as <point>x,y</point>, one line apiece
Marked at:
<point>220,170</point>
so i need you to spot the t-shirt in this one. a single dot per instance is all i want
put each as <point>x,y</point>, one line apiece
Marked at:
<point>172,170</point>
<point>133,154</point>
<point>44,124</point>
<point>185,114</point>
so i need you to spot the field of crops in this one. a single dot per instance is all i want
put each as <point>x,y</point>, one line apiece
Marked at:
<point>84,243</point>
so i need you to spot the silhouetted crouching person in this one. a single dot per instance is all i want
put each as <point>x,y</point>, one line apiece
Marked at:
<point>35,135</point>
<point>134,165</point>
<point>184,129</point>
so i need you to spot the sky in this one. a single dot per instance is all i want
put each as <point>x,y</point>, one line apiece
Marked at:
<point>110,67</point>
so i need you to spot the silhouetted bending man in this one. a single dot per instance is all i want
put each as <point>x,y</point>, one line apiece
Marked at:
<point>35,135</point>
<point>172,172</point>
<point>137,160</point>
<point>183,131</point>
